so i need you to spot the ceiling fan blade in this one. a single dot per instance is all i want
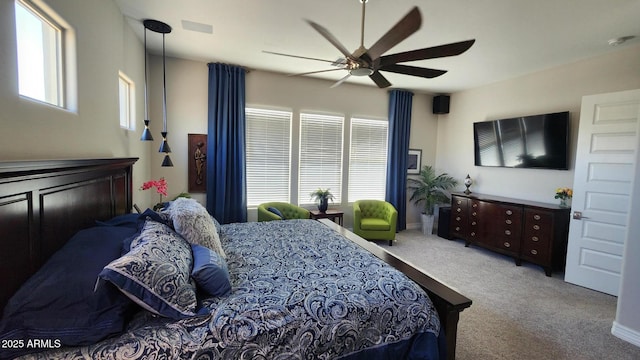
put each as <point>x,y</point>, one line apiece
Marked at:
<point>412,70</point>
<point>332,39</point>
<point>340,81</point>
<point>380,80</point>
<point>313,72</point>
<point>409,24</point>
<point>428,53</point>
<point>297,56</point>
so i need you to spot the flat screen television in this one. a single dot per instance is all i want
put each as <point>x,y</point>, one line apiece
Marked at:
<point>535,141</point>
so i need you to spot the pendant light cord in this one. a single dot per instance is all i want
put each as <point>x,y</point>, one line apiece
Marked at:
<point>164,87</point>
<point>146,95</point>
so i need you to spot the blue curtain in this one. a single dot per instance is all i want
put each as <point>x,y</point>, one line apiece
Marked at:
<point>400,102</point>
<point>226,180</point>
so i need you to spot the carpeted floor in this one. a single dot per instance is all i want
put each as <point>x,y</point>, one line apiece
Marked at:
<point>517,311</point>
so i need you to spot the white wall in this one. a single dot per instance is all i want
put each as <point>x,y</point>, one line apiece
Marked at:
<point>553,90</point>
<point>104,44</point>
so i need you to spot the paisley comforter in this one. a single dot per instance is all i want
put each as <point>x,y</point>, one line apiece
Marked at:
<point>299,291</point>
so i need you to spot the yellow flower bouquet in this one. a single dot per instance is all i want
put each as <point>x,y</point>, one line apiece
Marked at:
<point>563,194</point>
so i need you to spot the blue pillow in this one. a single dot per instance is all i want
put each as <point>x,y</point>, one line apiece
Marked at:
<point>210,271</point>
<point>59,303</point>
<point>276,211</point>
<point>155,273</point>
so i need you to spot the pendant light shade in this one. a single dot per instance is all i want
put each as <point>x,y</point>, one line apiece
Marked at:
<point>164,147</point>
<point>167,161</point>
<point>162,28</point>
<point>146,133</point>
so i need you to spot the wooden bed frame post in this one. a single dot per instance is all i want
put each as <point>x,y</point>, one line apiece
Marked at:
<point>448,302</point>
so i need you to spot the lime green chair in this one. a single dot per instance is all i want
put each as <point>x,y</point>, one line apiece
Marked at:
<point>375,220</point>
<point>288,211</point>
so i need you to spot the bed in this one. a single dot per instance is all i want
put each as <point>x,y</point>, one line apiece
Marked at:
<point>43,204</point>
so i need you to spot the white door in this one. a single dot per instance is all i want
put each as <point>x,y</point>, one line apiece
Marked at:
<point>602,185</point>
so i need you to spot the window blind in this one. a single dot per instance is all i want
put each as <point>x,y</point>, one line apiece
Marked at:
<point>368,159</point>
<point>268,142</point>
<point>320,155</point>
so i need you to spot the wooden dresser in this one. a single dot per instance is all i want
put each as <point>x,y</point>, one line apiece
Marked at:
<point>524,230</point>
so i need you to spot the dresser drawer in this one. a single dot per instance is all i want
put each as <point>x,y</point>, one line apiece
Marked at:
<point>459,217</point>
<point>537,235</point>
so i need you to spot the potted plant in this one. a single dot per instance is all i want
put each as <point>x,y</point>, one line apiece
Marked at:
<point>322,198</point>
<point>429,190</point>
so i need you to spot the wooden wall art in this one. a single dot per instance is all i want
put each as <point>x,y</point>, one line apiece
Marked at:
<point>197,163</point>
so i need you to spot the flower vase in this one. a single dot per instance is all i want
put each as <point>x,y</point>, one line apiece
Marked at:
<point>564,203</point>
<point>322,206</point>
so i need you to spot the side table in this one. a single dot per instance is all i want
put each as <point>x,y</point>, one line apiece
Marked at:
<point>334,215</point>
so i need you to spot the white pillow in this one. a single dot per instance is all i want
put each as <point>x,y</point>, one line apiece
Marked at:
<point>193,222</point>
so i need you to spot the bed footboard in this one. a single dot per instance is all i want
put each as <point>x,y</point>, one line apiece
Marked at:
<point>448,302</point>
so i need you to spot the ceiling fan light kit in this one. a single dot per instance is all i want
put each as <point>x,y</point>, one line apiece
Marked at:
<point>370,62</point>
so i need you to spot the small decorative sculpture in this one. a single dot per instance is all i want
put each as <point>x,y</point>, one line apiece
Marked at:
<point>200,159</point>
<point>467,182</point>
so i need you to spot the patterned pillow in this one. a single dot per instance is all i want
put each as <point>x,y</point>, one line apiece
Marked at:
<point>193,222</point>
<point>210,271</point>
<point>155,273</point>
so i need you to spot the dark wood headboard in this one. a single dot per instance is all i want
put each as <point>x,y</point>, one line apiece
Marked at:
<point>43,203</point>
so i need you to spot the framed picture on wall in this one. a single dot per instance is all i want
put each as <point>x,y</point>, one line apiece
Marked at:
<point>197,162</point>
<point>414,161</point>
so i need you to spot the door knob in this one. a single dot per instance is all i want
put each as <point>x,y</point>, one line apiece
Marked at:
<point>577,215</point>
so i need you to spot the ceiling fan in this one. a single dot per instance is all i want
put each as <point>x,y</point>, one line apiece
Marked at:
<point>370,62</point>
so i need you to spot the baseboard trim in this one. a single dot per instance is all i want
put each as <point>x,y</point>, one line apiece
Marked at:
<point>626,334</point>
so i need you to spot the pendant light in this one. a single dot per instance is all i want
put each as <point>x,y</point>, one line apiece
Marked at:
<point>162,28</point>
<point>146,133</point>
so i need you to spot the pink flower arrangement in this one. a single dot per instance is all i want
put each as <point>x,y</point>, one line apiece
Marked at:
<point>160,185</point>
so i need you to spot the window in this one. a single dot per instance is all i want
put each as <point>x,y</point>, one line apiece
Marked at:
<point>368,159</point>
<point>39,41</point>
<point>268,136</point>
<point>126,92</point>
<point>320,155</point>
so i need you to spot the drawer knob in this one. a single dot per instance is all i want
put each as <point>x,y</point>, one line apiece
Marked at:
<point>536,216</point>
<point>534,252</point>
<point>459,202</point>
<point>458,218</point>
<point>474,223</point>
<point>535,238</point>
<point>509,212</point>
<point>458,209</point>
<point>507,232</point>
<point>474,213</point>
<point>507,245</point>
<point>508,222</point>
<point>457,228</point>
<point>536,227</point>
<point>473,234</point>
<point>475,205</point>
